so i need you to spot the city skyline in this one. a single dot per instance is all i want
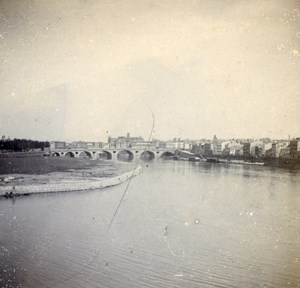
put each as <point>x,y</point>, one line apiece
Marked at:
<point>153,139</point>
<point>87,70</point>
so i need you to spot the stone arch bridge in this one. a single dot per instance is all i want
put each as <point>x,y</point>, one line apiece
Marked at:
<point>125,154</point>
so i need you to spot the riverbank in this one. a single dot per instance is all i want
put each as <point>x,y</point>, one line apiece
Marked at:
<point>21,176</point>
<point>270,162</point>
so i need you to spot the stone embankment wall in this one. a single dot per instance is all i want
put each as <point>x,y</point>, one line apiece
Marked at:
<point>68,187</point>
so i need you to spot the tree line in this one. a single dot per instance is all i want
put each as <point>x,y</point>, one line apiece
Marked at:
<point>22,145</point>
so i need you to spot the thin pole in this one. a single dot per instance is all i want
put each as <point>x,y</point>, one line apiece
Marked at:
<point>121,200</point>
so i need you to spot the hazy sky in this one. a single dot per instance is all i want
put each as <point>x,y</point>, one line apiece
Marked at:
<point>86,69</point>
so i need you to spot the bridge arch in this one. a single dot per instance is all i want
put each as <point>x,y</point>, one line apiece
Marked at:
<point>69,154</point>
<point>167,155</point>
<point>56,154</point>
<point>125,155</point>
<point>105,155</point>
<point>85,154</point>
<point>147,155</point>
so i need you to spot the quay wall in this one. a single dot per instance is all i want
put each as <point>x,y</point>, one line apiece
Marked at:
<point>80,185</point>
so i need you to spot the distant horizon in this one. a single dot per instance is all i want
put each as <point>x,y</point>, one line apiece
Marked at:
<point>146,139</point>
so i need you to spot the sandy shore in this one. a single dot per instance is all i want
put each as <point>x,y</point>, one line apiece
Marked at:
<point>71,180</point>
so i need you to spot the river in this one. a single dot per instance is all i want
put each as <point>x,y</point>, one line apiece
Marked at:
<point>181,224</point>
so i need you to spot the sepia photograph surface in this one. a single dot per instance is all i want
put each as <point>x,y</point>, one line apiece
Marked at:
<point>149,143</point>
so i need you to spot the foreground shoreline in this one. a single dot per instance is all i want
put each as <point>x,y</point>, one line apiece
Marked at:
<point>68,186</point>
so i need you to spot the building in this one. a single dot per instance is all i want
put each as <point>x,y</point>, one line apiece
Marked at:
<point>295,149</point>
<point>235,149</point>
<point>258,151</point>
<point>207,149</point>
<point>276,149</point>
<point>216,146</point>
<point>145,145</point>
<point>57,145</point>
<point>124,141</point>
<point>188,145</point>
<point>78,145</point>
<point>93,145</point>
<point>285,152</point>
<point>267,149</point>
<point>175,145</point>
<point>246,149</point>
<point>198,149</point>
<point>253,148</point>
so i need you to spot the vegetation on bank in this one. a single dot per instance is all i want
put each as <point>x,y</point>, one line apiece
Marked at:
<point>21,145</point>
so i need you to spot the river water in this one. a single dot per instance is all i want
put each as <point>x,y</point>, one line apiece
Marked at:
<point>181,224</point>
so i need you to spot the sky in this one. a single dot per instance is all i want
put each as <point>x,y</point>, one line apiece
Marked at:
<point>89,69</point>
